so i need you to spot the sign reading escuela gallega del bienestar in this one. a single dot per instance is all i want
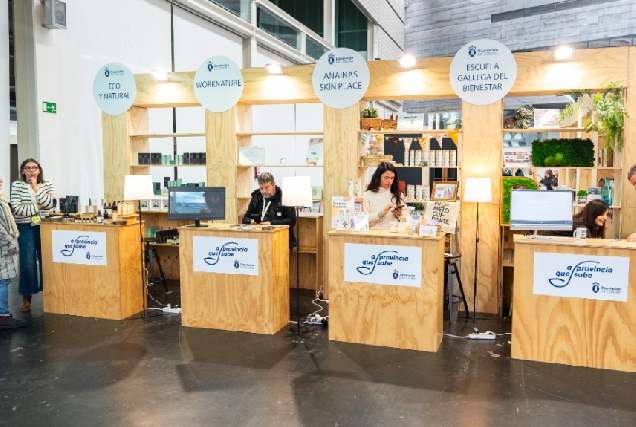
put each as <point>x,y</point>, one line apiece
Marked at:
<point>581,276</point>
<point>383,264</point>
<point>483,71</point>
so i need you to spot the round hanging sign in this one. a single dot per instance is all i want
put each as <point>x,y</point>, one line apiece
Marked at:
<point>483,71</point>
<point>341,78</point>
<point>218,84</point>
<point>114,88</point>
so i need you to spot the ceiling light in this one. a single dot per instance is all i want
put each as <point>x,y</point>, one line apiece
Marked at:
<point>407,61</point>
<point>564,52</point>
<point>160,75</point>
<point>274,68</point>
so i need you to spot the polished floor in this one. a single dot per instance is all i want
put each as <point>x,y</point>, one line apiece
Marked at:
<point>72,371</point>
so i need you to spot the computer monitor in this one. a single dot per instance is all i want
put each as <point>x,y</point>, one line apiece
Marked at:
<point>196,203</point>
<point>540,210</point>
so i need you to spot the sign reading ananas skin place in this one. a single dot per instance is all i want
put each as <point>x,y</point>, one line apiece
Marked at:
<point>383,264</point>
<point>581,276</point>
<point>341,78</point>
<point>114,88</point>
<point>79,247</point>
<point>218,84</point>
<point>225,255</point>
<point>483,71</point>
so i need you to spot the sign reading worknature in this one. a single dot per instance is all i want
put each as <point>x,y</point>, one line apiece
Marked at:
<point>383,264</point>
<point>79,247</point>
<point>224,255</point>
<point>483,71</point>
<point>581,276</point>
<point>218,84</point>
<point>114,88</point>
<point>341,78</point>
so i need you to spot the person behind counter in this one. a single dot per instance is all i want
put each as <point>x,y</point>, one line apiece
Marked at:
<point>266,206</point>
<point>592,218</point>
<point>9,261</point>
<point>383,196</point>
<point>30,198</point>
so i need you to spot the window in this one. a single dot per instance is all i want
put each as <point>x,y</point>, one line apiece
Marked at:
<point>351,26</point>
<point>308,12</point>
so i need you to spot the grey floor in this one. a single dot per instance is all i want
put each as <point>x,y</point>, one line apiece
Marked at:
<point>72,371</point>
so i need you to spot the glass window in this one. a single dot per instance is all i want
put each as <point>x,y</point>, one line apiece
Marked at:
<point>277,27</point>
<point>308,12</point>
<point>351,26</point>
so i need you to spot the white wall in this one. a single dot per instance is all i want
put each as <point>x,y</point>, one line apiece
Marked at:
<point>137,34</point>
<point>5,140</point>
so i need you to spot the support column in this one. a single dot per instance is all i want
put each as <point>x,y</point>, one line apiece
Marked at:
<point>329,21</point>
<point>482,158</point>
<point>628,197</point>
<point>5,114</point>
<point>341,160</point>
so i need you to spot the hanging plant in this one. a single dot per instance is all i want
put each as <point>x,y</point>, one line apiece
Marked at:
<point>607,113</point>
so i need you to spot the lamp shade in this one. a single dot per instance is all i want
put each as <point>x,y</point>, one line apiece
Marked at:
<point>138,187</point>
<point>477,190</point>
<point>297,191</point>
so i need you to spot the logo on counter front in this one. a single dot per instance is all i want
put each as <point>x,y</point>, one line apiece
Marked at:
<point>81,242</point>
<point>382,259</point>
<point>229,249</point>
<point>582,270</point>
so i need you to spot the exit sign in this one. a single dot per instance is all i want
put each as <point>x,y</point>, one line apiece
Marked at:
<point>49,107</point>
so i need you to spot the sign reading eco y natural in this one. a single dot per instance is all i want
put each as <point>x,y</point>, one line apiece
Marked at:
<point>114,88</point>
<point>341,78</point>
<point>483,71</point>
<point>218,84</point>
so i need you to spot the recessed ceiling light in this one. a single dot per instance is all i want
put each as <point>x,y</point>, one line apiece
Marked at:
<point>274,68</point>
<point>407,61</point>
<point>564,52</point>
<point>160,75</point>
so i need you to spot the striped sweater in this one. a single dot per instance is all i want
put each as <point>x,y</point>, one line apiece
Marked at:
<point>22,203</point>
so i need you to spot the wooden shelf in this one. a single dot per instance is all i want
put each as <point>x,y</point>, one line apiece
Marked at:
<point>307,251</point>
<point>416,167</point>
<point>409,132</point>
<point>166,135</point>
<point>240,134</point>
<point>567,168</point>
<point>577,205</point>
<point>168,166</point>
<point>279,166</point>
<point>164,244</point>
<point>535,130</point>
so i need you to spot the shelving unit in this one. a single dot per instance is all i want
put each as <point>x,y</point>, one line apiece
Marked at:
<point>166,135</point>
<point>243,134</point>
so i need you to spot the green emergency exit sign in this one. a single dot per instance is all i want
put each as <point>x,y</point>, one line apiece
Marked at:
<point>49,107</point>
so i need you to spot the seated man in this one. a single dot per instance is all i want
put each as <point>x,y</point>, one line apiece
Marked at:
<point>267,207</point>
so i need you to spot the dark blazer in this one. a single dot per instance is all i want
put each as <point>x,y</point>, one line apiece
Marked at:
<point>285,215</point>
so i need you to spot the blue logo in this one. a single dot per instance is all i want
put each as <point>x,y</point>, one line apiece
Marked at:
<point>236,264</point>
<point>331,58</point>
<point>472,51</point>
<point>582,270</point>
<point>210,66</point>
<point>106,72</point>
<point>79,243</point>
<point>228,249</point>
<point>595,287</point>
<point>395,274</point>
<point>88,255</point>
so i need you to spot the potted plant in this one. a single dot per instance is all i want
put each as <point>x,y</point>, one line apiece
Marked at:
<point>607,114</point>
<point>581,197</point>
<point>370,119</point>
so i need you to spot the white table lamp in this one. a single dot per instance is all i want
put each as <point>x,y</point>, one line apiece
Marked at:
<point>138,187</point>
<point>297,193</point>
<point>477,190</point>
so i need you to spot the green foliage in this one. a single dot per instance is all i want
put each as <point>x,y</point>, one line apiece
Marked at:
<point>581,193</point>
<point>370,113</point>
<point>574,152</point>
<point>507,186</point>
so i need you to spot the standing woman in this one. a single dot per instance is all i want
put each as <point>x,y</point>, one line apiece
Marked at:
<point>8,261</point>
<point>30,197</point>
<point>383,199</point>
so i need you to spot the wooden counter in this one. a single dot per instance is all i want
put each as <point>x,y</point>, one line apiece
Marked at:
<point>235,301</point>
<point>571,330</point>
<point>112,291</point>
<point>399,316</point>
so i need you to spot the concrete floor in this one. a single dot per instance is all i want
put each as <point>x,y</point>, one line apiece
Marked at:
<point>72,371</point>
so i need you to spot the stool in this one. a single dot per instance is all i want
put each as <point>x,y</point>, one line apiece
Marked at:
<point>450,264</point>
<point>149,254</point>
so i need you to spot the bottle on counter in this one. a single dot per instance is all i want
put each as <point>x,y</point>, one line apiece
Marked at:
<point>100,218</point>
<point>115,214</point>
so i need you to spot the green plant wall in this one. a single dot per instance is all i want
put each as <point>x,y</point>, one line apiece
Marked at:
<point>507,185</point>
<point>576,152</point>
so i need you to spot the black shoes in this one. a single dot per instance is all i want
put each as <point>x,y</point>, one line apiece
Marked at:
<point>8,322</point>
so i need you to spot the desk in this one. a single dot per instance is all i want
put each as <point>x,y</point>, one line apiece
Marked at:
<point>110,291</point>
<point>399,316</point>
<point>570,330</point>
<point>213,295</point>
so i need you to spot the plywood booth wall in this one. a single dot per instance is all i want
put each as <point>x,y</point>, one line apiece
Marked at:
<point>537,74</point>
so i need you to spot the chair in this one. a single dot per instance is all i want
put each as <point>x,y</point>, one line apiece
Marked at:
<point>450,265</point>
